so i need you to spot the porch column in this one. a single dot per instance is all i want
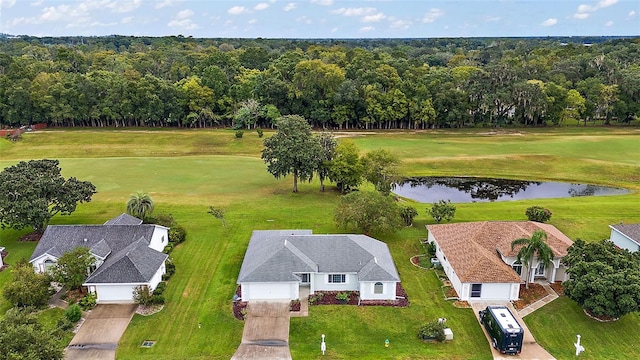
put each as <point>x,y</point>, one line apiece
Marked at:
<point>553,274</point>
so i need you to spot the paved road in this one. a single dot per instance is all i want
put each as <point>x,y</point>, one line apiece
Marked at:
<point>98,336</point>
<point>531,350</point>
<point>266,332</point>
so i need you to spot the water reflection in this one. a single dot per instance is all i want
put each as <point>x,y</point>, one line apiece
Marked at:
<point>468,189</point>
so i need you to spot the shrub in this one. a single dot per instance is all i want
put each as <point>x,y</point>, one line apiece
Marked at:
<point>88,301</point>
<point>260,133</point>
<point>159,290</point>
<point>239,134</point>
<point>65,324</point>
<point>538,214</point>
<point>157,299</point>
<point>408,213</point>
<point>442,210</point>
<point>161,219</point>
<point>142,295</point>
<point>432,331</point>
<point>170,269</point>
<point>73,313</point>
<point>342,297</point>
<point>315,297</point>
<point>431,249</point>
<point>168,249</point>
<point>177,234</point>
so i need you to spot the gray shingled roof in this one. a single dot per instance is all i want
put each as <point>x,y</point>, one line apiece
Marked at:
<point>632,231</point>
<point>137,263</point>
<point>59,239</point>
<point>124,219</point>
<point>274,256</point>
<point>129,259</point>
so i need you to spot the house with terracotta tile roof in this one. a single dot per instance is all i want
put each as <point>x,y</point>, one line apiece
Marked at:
<point>478,259</point>
<point>626,236</point>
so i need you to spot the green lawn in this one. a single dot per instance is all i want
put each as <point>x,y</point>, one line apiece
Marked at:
<point>186,171</point>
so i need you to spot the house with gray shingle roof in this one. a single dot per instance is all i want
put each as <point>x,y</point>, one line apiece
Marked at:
<point>626,236</point>
<point>278,262</point>
<point>480,263</point>
<point>127,254</point>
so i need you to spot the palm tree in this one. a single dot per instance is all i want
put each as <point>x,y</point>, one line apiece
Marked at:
<point>536,245</point>
<point>140,205</point>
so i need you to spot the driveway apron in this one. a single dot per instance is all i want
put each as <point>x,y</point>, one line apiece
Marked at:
<point>531,350</point>
<point>266,331</point>
<point>100,333</point>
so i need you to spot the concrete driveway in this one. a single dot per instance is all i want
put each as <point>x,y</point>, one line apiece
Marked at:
<point>100,333</point>
<point>266,331</point>
<point>531,350</point>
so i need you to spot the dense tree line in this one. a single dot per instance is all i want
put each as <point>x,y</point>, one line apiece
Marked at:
<point>346,84</point>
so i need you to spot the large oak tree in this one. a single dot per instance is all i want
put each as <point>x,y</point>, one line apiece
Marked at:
<point>32,192</point>
<point>292,150</point>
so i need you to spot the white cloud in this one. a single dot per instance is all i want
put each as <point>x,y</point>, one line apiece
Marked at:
<point>609,23</point>
<point>584,9</point>
<point>374,18</point>
<point>549,22</point>
<point>184,14</point>
<point>261,6</point>
<point>432,15</point>
<point>52,13</point>
<point>237,10</point>
<point>334,30</point>
<point>7,3</point>
<point>367,29</point>
<point>123,6</point>
<point>354,11</point>
<point>322,2</point>
<point>164,3</point>
<point>35,3</point>
<point>492,18</point>
<point>305,20</point>
<point>400,24</point>
<point>252,21</point>
<point>184,24</point>
<point>289,7</point>
<point>126,20</point>
<point>632,13</point>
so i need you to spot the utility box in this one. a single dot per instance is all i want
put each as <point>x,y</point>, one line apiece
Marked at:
<point>448,334</point>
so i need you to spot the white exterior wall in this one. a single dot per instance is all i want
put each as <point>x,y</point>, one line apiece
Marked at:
<point>38,263</point>
<point>270,291</point>
<point>157,277</point>
<point>319,282</point>
<point>623,242</point>
<point>367,291</point>
<point>1,263</point>
<point>160,238</point>
<point>114,293</point>
<point>448,269</point>
<point>492,291</point>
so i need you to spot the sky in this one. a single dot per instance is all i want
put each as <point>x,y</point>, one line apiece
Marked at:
<point>321,18</point>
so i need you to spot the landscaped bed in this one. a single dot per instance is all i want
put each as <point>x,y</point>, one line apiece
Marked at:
<point>528,296</point>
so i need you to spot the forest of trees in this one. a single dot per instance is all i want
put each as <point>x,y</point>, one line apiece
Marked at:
<point>119,81</point>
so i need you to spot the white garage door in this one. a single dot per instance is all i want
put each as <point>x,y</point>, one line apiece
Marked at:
<point>270,291</point>
<point>114,293</point>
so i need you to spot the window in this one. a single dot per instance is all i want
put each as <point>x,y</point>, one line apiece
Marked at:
<point>476,290</point>
<point>517,267</point>
<point>378,288</point>
<point>304,278</point>
<point>540,269</point>
<point>337,278</point>
<point>48,264</point>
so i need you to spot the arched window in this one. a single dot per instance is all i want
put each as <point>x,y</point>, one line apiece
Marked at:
<point>517,267</point>
<point>48,264</point>
<point>378,288</point>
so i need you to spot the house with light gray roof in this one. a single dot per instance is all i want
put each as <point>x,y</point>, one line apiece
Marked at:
<point>127,254</point>
<point>626,236</point>
<point>278,263</point>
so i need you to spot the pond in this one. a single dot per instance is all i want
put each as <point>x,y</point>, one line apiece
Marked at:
<point>469,189</point>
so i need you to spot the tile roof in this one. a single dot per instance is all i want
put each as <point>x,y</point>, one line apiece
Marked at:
<point>473,249</point>
<point>632,231</point>
<point>275,255</point>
